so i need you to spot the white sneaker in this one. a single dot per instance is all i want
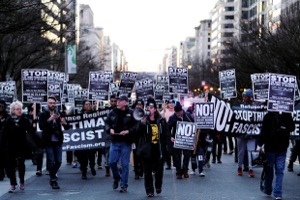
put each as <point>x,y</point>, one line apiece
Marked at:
<point>201,174</point>
<point>192,173</point>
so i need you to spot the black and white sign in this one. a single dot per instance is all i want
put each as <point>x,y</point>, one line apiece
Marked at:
<point>144,88</point>
<point>127,83</point>
<point>8,91</point>
<point>178,80</point>
<point>281,93</point>
<point>204,115</point>
<point>56,79</point>
<point>227,84</point>
<point>260,85</point>
<point>114,88</point>
<point>34,85</point>
<point>99,83</point>
<point>87,132</point>
<point>71,88</point>
<point>185,137</point>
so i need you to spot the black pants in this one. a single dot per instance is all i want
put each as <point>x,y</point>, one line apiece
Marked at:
<point>69,156</point>
<point>39,156</point>
<point>2,168</point>
<point>230,142</point>
<point>153,164</point>
<point>13,163</point>
<point>86,157</point>
<point>181,169</point>
<point>217,145</point>
<point>138,165</point>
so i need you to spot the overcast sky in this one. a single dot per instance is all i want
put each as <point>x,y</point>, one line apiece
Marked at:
<point>143,29</point>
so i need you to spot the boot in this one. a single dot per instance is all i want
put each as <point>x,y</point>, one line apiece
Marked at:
<point>107,172</point>
<point>290,167</point>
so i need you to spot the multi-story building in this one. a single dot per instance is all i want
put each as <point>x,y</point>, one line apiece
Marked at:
<point>222,30</point>
<point>108,64</point>
<point>170,59</point>
<point>185,51</point>
<point>203,38</point>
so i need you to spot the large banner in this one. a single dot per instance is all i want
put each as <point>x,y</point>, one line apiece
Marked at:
<point>127,83</point>
<point>178,80</point>
<point>8,91</point>
<point>144,88</point>
<point>99,83</point>
<point>34,85</point>
<point>281,93</point>
<point>71,59</point>
<point>87,132</point>
<point>186,135</point>
<point>260,86</point>
<point>55,84</point>
<point>227,84</point>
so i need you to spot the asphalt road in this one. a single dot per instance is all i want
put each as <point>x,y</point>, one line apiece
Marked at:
<point>221,182</point>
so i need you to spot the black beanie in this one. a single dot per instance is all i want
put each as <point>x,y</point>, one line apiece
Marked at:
<point>178,107</point>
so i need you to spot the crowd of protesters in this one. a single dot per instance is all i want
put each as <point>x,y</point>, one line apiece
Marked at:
<point>155,131</point>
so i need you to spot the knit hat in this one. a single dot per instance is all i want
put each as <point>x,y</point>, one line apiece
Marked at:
<point>248,93</point>
<point>151,102</point>
<point>178,107</point>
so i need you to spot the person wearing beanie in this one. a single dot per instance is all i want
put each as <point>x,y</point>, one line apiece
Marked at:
<point>137,162</point>
<point>152,130</point>
<point>180,115</point>
<point>245,143</point>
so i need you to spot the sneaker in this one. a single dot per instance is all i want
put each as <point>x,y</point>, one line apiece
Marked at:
<point>240,171</point>
<point>207,165</point>
<point>219,161</point>
<point>290,168</point>
<point>213,161</point>
<point>278,198</point>
<point>38,173</point>
<point>225,152</point>
<point>74,165</point>
<point>158,190</point>
<point>100,166</point>
<point>298,174</point>
<point>12,189</point>
<point>54,185</point>
<point>93,171</point>
<point>251,173</point>
<point>192,172</point>
<point>115,184</point>
<point>150,195</point>
<point>136,177</point>
<point>22,186</point>
<point>168,168</point>
<point>123,190</point>
<point>201,174</point>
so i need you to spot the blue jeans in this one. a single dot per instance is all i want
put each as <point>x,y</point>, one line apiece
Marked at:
<point>54,159</point>
<point>201,158</point>
<point>277,161</point>
<point>117,151</point>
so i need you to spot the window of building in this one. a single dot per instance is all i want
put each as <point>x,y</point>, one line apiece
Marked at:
<point>229,17</point>
<point>231,8</point>
<point>208,40</point>
<point>208,46</point>
<point>228,26</point>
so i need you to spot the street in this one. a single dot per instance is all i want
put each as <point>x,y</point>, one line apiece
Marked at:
<point>221,182</point>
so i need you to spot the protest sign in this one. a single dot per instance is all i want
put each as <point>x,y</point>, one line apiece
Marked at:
<point>127,83</point>
<point>227,84</point>
<point>204,115</point>
<point>144,88</point>
<point>99,83</point>
<point>260,85</point>
<point>178,80</point>
<point>185,137</point>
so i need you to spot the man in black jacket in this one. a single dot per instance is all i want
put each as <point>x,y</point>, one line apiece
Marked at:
<point>180,115</point>
<point>50,123</point>
<point>120,125</point>
<point>274,136</point>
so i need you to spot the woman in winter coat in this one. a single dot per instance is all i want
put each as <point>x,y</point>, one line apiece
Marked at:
<point>152,130</point>
<point>15,136</point>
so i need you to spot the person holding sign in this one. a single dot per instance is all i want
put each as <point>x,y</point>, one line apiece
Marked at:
<point>275,134</point>
<point>152,130</point>
<point>245,143</point>
<point>14,142</point>
<point>50,122</point>
<point>121,126</point>
<point>86,157</point>
<point>3,117</point>
<point>180,115</point>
